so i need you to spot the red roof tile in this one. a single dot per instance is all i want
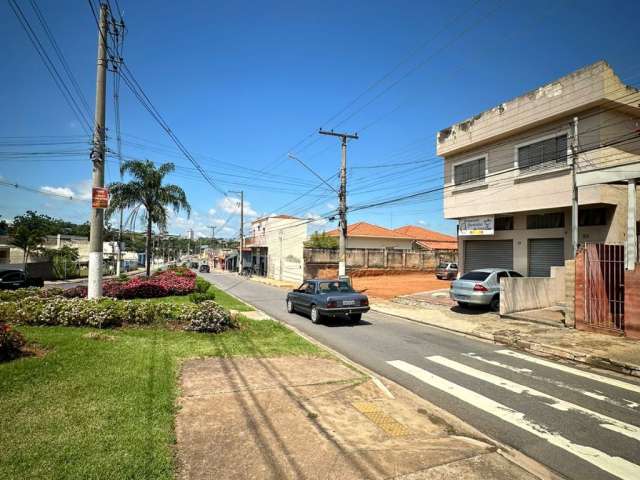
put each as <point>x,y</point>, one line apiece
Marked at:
<point>438,245</point>
<point>420,233</point>
<point>364,229</point>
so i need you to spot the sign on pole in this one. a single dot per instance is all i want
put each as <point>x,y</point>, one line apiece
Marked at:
<point>100,197</point>
<point>476,226</point>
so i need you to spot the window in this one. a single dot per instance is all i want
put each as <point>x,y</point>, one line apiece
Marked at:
<point>13,277</point>
<point>589,217</point>
<point>470,171</point>
<point>454,265</point>
<point>310,288</point>
<point>546,153</point>
<point>477,275</point>
<point>329,287</point>
<point>500,275</point>
<point>515,274</point>
<point>503,223</point>
<point>545,220</point>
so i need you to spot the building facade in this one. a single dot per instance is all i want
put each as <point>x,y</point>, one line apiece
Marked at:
<point>509,178</point>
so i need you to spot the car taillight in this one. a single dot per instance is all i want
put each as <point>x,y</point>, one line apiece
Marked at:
<point>332,303</point>
<point>364,302</point>
<point>478,287</point>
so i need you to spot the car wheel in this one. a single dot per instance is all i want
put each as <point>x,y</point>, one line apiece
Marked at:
<point>290,307</point>
<point>355,317</point>
<point>495,303</point>
<point>315,314</point>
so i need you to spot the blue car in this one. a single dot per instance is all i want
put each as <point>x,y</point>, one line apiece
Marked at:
<point>327,298</point>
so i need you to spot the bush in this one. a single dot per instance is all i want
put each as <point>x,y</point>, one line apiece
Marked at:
<point>11,342</point>
<point>202,286</point>
<point>19,294</point>
<point>199,297</point>
<point>207,317</point>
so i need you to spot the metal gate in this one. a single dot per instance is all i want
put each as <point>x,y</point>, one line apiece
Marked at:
<point>604,286</point>
<point>488,254</point>
<point>544,253</point>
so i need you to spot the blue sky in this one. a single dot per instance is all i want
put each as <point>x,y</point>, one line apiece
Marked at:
<point>241,83</point>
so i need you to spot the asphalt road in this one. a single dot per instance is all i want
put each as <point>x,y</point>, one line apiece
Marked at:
<point>583,423</point>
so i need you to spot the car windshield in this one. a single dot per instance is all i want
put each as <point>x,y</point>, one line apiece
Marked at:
<point>475,275</point>
<point>8,273</point>
<point>443,265</point>
<point>328,287</point>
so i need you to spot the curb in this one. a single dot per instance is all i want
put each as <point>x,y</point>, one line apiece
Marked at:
<point>533,467</point>
<point>539,348</point>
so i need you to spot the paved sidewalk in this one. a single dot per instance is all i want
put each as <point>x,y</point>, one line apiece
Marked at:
<point>605,351</point>
<point>316,418</point>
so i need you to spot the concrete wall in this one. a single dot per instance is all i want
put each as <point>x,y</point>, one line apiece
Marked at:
<point>519,294</point>
<point>284,240</point>
<point>570,293</point>
<point>372,242</point>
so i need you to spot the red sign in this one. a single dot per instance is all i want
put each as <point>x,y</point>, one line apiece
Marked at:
<point>100,197</point>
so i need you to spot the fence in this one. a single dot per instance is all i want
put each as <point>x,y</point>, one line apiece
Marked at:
<point>320,262</point>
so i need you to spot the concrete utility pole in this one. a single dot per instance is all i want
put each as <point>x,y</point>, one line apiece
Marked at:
<point>213,235</point>
<point>97,214</point>
<point>241,248</point>
<point>574,189</point>
<point>342,197</point>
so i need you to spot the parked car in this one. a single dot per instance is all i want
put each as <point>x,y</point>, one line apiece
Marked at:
<point>194,264</point>
<point>327,298</point>
<point>480,287</point>
<point>13,279</point>
<point>204,268</point>
<point>447,271</point>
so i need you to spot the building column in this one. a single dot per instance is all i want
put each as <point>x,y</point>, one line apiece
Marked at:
<point>631,246</point>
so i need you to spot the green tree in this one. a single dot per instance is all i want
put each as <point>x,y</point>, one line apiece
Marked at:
<point>146,194</point>
<point>63,260</point>
<point>28,232</point>
<point>321,240</point>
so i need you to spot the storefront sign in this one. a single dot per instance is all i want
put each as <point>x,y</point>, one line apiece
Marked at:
<point>476,226</point>
<point>100,197</point>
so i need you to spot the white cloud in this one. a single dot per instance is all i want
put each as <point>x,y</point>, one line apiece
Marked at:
<point>61,191</point>
<point>317,219</point>
<point>84,189</point>
<point>232,205</point>
<point>422,222</point>
<point>228,230</point>
<point>331,206</point>
<point>212,212</point>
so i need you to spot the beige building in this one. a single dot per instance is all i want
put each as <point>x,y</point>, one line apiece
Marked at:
<point>277,246</point>
<point>508,172</point>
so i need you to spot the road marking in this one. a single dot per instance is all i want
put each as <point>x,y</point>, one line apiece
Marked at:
<point>574,371</point>
<point>528,372</point>
<point>616,466</point>
<point>605,421</point>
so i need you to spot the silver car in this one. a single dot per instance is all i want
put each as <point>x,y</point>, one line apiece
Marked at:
<point>480,287</point>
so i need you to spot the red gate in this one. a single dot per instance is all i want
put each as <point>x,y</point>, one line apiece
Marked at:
<point>604,287</point>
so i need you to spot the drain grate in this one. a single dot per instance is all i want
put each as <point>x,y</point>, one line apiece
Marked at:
<point>386,422</point>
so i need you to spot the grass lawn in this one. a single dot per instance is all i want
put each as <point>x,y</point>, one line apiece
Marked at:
<point>222,298</point>
<point>104,409</point>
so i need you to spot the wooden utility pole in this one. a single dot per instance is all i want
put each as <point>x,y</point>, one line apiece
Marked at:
<point>342,197</point>
<point>97,156</point>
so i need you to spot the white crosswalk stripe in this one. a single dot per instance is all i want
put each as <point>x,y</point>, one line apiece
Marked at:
<point>609,423</point>
<point>616,466</point>
<point>574,371</point>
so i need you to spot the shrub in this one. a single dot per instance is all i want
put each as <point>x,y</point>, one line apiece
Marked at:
<point>202,286</point>
<point>13,295</point>
<point>11,342</point>
<point>208,317</point>
<point>199,297</point>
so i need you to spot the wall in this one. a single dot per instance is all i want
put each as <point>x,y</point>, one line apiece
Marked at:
<point>35,269</point>
<point>519,294</point>
<point>285,239</point>
<point>323,263</point>
<point>632,303</point>
<point>570,293</point>
<point>372,242</point>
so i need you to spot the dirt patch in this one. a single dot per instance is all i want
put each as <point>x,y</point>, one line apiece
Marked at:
<point>389,286</point>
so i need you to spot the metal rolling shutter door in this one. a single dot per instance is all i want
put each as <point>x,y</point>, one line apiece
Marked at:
<point>542,254</point>
<point>488,254</point>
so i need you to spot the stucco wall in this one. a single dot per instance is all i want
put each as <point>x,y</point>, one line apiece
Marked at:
<point>519,294</point>
<point>371,242</point>
<point>285,239</point>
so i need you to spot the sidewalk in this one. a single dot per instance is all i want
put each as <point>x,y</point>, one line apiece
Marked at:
<point>294,417</point>
<point>605,351</point>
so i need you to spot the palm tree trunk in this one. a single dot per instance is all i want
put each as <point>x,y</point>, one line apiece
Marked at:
<point>147,248</point>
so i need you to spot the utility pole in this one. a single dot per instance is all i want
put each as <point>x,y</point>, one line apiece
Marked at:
<point>213,234</point>
<point>241,248</point>
<point>342,197</point>
<point>97,154</point>
<point>574,189</point>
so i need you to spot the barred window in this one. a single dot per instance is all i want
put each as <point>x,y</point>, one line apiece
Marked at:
<point>546,153</point>
<point>470,171</point>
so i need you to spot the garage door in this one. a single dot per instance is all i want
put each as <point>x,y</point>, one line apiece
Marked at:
<point>544,253</point>
<point>488,254</point>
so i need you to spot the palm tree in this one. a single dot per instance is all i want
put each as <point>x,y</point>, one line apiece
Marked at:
<point>146,192</point>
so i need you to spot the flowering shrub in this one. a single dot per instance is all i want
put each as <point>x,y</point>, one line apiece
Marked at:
<point>12,295</point>
<point>207,317</point>
<point>202,286</point>
<point>11,342</point>
<point>161,284</point>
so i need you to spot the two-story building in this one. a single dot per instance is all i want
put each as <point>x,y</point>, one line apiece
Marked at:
<point>277,244</point>
<point>509,180</point>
